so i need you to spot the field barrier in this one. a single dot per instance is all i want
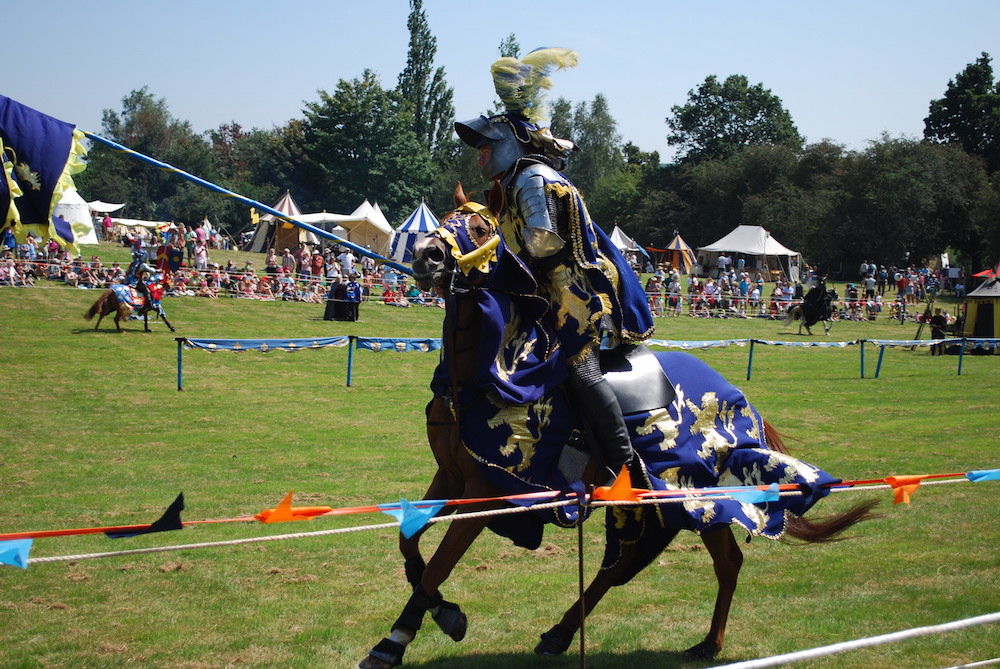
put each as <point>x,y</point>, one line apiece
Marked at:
<point>411,517</point>
<point>402,345</point>
<point>833,649</point>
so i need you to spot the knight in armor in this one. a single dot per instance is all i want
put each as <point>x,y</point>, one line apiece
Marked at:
<point>593,293</point>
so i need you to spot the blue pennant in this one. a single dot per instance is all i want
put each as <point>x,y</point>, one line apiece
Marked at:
<point>571,512</point>
<point>984,475</point>
<point>754,496</point>
<point>15,553</point>
<point>412,517</point>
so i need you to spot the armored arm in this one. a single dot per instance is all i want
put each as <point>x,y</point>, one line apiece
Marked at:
<point>539,211</point>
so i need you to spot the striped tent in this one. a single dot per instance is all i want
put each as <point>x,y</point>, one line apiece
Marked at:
<point>279,235</point>
<point>411,231</point>
<point>680,254</point>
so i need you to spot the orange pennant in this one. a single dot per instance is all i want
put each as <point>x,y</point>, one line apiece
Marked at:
<point>903,487</point>
<point>285,512</point>
<point>620,490</point>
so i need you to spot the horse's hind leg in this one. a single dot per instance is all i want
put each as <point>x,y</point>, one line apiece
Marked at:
<point>727,560</point>
<point>558,639</point>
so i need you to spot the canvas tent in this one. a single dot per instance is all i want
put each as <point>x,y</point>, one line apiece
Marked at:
<point>982,309</point>
<point>272,233</point>
<point>624,243</point>
<point>104,207</point>
<point>74,210</point>
<point>679,254</point>
<point>366,226</point>
<point>759,250</point>
<point>412,230</point>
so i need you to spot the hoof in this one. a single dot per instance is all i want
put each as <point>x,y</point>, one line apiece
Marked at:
<point>554,642</point>
<point>385,655</point>
<point>451,620</point>
<point>374,663</point>
<point>705,650</point>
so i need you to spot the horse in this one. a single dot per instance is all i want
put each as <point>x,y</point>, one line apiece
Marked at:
<point>123,299</point>
<point>458,260</point>
<point>816,306</point>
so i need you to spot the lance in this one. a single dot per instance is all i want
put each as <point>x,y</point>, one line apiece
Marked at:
<point>319,232</point>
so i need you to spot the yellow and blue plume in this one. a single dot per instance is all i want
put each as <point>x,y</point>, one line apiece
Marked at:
<point>521,84</point>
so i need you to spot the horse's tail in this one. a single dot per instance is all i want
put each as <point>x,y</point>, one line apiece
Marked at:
<point>793,313</point>
<point>823,529</point>
<point>96,307</point>
<point>827,529</point>
<point>773,438</point>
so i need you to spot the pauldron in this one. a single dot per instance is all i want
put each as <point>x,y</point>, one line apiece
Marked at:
<point>538,210</point>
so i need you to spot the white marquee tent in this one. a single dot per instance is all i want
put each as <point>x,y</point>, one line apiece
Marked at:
<point>625,243</point>
<point>761,250</point>
<point>416,226</point>
<point>104,207</point>
<point>74,210</point>
<point>365,226</point>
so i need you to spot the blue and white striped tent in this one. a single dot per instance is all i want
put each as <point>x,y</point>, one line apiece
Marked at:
<point>411,231</point>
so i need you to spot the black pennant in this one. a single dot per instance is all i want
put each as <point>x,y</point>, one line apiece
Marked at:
<point>170,520</point>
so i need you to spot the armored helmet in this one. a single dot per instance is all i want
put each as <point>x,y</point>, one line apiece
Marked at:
<point>521,85</point>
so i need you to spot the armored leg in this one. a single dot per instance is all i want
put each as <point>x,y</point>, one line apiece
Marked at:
<point>599,405</point>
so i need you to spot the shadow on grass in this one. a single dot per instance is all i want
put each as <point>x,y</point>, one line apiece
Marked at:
<point>104,331</point>
<point>528,660</point>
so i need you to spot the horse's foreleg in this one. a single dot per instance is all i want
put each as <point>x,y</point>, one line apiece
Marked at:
<point>426,597</point>
<point>727,559</point>
<point>441,487</point>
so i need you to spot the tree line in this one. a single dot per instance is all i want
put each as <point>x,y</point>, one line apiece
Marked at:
<point>740,160</point>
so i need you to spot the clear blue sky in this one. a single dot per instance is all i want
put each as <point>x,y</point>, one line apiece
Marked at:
<point>846,70</point>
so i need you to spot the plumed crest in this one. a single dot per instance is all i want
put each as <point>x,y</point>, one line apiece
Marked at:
<point>521,84</point>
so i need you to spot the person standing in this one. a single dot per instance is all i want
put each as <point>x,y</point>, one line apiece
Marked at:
<point>347,261</point>
<point>288,262</point>
<point>352,298</point>
<point>939,328</point>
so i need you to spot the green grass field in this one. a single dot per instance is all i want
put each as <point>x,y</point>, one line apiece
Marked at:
<point>95,433</point>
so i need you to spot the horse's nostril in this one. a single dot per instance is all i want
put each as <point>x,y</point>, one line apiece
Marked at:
<point>435,255</point>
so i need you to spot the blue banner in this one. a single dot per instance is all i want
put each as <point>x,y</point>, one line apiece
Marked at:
<point>377,344</point>
<point>265,345</point>
<point>688,345</point>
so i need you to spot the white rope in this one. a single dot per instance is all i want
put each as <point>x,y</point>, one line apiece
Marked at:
<point>982,663</point>
<point>295,535</point>
<point>208,544</point>
<point>862,643</point>
<point>436,519</point>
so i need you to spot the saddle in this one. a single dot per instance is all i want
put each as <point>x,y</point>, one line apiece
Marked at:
<point>640,384</point>
<point>637,378</point>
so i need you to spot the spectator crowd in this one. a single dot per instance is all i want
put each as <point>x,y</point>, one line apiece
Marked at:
<point>331,273</point>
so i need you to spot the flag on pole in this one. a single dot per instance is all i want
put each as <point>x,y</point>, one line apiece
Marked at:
<point>45,152</point>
